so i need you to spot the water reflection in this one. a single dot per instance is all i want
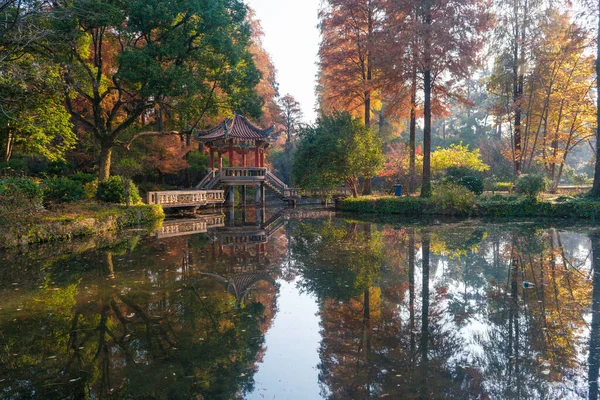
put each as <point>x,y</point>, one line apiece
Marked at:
<point>459,310</point>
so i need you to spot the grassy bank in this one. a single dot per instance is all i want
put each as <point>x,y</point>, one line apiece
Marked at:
<point>494,206</point>
<point>76,220</point>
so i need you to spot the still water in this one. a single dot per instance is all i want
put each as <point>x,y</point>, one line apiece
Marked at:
<point>304,304</point>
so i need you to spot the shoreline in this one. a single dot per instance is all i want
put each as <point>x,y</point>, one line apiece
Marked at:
<point>78,220</point>
<point>482,208</point>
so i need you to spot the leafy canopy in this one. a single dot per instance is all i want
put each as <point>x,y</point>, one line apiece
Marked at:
<point>338,149</point>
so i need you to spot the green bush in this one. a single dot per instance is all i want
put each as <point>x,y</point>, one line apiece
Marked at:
<point>408,205</point>
<point>13,167</point>
<point>531,185</point>
<point>472,183</point>
<point>457,173</point>
<point>90,189</point>
<point>504,187</point>
<point>112,190</point>
<point>82,178</point>
<point>62,190</point>
<point>450,198</point>
<point>18,198</point>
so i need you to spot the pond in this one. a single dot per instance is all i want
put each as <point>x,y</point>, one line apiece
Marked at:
<point>304,304</point>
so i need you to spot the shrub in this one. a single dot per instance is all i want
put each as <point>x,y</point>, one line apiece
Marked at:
<point>457,173</point>
<point>407,205</point>
<point>18,198</point>
<point>90,189</point>
<point>82,178</point>
<point>531,185</point>
<point>62,190</point>
<point>504,187</point>
<point>472,183</point>
<point>112,190</point>
<point>453,199</point>
<point>13,168</point>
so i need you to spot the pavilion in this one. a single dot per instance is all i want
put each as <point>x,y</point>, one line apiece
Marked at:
<point>238,138</point>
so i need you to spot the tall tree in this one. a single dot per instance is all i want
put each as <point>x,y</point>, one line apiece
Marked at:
<point>349,74</point>
<point>32,116</point>
<point>450,37</point>
<point>268,87</point>
<point>137,65</point>
<point>292,115</point>
<point>596,187</point>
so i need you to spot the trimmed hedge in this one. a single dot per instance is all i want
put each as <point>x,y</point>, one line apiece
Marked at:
<point>483,207</point>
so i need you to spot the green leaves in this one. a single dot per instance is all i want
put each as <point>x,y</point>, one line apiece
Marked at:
<point>339,149</point>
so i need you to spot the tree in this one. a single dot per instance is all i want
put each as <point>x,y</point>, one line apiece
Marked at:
<point>596,186</point>
<point>348,72</point>
<point>32,116</point>
<point>338,149</point>
<point>291,114</point>
<point>450,37</point>
<point>267,88</point>
<point>561,108</point>
<point>139,65</point>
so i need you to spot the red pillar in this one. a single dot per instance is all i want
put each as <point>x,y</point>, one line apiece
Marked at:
<point>244,160</point>
<point>231,153</point>
<point>212,158</point>
<point>256,157</point>
<point>262,159</point>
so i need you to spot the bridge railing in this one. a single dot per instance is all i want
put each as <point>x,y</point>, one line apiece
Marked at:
<point>182,198</point>
<point>210,174</point>
<point>215,196</point>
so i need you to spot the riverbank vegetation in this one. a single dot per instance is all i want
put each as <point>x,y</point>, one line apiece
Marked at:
<point>101,94</point>
<point>437,98</point>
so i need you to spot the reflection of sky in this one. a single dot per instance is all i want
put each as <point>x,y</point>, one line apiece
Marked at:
<point>289,368</point>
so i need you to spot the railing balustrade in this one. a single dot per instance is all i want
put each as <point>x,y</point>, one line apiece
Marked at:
<point>243,172</point>
<point>180,198</point>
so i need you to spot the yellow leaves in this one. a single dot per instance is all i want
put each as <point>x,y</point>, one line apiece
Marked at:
<point>457,155</point>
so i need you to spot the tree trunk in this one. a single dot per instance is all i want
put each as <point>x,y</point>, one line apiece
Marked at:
<point>9,146</point>
<point>517,93</point>
<point>596,187</point>
<point>412,185</point>
<point>426,186</point>
<point>105,160</point>
<point>367,184</point>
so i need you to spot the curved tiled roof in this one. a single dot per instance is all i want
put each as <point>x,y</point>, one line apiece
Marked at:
<point>238,127</point>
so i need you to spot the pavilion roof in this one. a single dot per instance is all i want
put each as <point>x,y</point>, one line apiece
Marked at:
<point>238,127</point>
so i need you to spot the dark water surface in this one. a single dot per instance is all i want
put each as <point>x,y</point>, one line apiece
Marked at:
<point>306,305</point>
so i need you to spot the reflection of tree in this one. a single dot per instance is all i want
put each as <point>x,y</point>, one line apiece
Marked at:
<point>164,331</point>
<point>594,355</point>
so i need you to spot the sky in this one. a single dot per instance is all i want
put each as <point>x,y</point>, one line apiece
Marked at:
<point>292,40</point>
